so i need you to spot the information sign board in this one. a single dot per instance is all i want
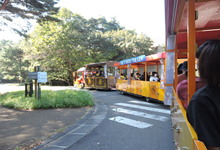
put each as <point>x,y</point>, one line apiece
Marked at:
<point>40,76</point>
<point>32,75</point>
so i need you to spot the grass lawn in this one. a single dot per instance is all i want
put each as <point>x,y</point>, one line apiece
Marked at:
<point>49,100</point>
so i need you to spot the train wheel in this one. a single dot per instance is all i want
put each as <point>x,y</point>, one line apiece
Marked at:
<point>148,99</point>
<point>122,93</point>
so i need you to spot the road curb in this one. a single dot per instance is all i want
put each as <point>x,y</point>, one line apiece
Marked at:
<point>83,127</point>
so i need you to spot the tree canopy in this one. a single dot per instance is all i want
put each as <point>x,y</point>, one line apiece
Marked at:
<point>13,11</point>
<point>63,47</point>
<point>13,66</point>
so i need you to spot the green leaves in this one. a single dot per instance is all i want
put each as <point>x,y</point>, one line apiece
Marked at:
<point>13,66</point>
<point>26,10</point>
<point>62,47</point>
<point>127,44</point>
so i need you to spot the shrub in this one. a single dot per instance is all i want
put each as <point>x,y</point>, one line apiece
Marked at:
<point>49,99</point>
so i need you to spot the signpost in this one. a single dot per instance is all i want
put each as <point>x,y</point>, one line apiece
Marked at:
<point>38,77</point>
<point>42,77</point>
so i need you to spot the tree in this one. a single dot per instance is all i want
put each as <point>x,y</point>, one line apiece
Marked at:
<point>12,63</point>
<point>127,44</point>
<point>63,47</point>
<point>12,11</point>
<point>57,46</point>
<point>102,25</point>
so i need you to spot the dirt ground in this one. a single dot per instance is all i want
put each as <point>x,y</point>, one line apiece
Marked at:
<point>24,129</point>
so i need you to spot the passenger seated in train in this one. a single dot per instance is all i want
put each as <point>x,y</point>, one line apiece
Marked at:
<point>183,75</point>
<point>137,76</point>
<point>132,76</point>
<point>94,73</point>
<point>154,77</point>
<point>203,111</point>
<point>122,77</point>
<point>102,73</point>
<point>143,77</point>
<point>182,87</point>
<point>97,73</point>
<point>179,69</point>
<point>148,76</point>
<point>88,74</point>
<point>78,81</point>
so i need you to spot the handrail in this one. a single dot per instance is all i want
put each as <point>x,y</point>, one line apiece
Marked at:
<point>198,145</point>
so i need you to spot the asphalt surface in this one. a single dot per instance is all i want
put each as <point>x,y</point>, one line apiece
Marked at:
<point>130,124</point>
<point>102,131</point>
<point>77,131</point>
<point>95,128</point>
<point>26,129</point>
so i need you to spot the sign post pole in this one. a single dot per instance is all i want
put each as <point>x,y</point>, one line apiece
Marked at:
<point>39,91</point>
<point>38,77</point>
<point>36,69</point>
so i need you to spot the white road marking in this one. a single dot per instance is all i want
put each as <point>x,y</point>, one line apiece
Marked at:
<point>130,122</point>
<point>144,103</point>
<point>141,114</point>
<point>144,108</point>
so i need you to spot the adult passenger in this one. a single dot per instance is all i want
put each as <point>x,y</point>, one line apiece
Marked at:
<point>179,69</point>
<point>182,87</point>
<point>183,75</point>
<point>138,75</point>
<point>154,77</point>
<point>102,73</point>
<point>97,74</point>
<point>204,109</point>
<point>143,77</point>
<point>132,76</point>
<point>122,76</point>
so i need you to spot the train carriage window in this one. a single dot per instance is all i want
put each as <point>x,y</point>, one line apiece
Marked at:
<point>111,71</point>
<point>151,68</point>
<point>124,72</point>
<point>141,70</point>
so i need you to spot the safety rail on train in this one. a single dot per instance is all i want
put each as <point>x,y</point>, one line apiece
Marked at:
<point>188,25</point>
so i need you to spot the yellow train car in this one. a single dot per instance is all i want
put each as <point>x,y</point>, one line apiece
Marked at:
<point>100,75</point>
<point>188,25</point>
<point>143,67</point>
<point>78,78</point>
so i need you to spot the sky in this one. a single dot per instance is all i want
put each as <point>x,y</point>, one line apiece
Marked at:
<point>143,16</point>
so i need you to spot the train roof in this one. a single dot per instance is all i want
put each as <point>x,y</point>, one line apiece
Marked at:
<point>109,63</point>
<point>81,69</point>
<point>142,59</point>
<point>207,24</point>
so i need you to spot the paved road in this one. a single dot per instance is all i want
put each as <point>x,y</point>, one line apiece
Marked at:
<point>130,124</point>
<point>27,128</point>
<point>119,122</point>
